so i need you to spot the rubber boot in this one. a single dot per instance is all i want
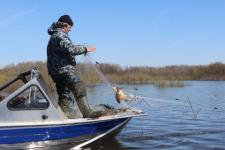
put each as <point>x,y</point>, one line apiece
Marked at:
<point>86,110</point>
<point>80,93</point>
<point>83,106</point>
<point>64,104</point>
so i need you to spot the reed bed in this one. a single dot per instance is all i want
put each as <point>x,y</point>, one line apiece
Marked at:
<point>168,76</point>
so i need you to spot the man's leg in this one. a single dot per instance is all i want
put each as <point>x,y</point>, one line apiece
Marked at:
<point>63,93</point>
<point>80,95</point>
<point>79,91</point>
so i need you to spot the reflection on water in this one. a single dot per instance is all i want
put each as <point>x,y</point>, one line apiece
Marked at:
<point>106,143</point>
<point>170,123</point>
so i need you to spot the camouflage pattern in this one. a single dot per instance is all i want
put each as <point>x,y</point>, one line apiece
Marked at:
<point>61,60</point>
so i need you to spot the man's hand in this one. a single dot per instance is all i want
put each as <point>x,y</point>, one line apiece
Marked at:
<point>91,49</point>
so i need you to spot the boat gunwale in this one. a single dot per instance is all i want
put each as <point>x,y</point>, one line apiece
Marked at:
<point>65,122</point>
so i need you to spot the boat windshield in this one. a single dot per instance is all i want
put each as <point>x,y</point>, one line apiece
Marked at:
<point>20,80</point>
<point>46,89</point>
<point>12,85</point>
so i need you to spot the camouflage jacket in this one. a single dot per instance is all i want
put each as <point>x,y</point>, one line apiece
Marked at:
<point>61,51</point>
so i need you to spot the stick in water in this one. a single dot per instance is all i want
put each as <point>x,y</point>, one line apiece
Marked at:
<point>194,113</point>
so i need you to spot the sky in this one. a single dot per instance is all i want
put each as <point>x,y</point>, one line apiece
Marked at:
<point>125,32</point>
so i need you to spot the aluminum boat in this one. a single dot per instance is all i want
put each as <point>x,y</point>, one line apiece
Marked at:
<point>30,118</point>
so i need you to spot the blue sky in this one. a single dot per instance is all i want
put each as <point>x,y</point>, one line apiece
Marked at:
<point>125,32</point>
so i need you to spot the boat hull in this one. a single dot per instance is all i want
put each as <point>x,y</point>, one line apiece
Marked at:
<point>50,135</point>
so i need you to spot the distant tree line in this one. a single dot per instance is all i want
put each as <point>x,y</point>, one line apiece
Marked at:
<point>214,72</point>
<point>91,73</point>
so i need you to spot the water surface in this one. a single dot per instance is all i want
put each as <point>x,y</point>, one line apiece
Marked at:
<point>170,123</point>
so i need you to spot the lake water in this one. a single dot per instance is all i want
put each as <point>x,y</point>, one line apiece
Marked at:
<point>170,123</point>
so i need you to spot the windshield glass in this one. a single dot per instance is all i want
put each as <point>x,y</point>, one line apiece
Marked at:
<point>47,91</point>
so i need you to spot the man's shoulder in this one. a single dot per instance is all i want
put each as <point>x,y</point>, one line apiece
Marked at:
<point>60,35</point>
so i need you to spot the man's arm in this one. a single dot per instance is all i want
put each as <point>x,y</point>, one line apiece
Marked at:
<point>67,45</point>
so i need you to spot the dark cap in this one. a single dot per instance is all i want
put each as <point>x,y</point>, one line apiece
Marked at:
<point>66,19</point>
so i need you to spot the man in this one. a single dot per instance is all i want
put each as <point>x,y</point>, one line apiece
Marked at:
<point>61,64</point>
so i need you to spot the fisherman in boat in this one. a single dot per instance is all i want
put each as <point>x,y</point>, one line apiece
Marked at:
<point>61,65</point>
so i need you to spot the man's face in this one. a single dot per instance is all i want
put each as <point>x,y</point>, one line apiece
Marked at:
<point>67,28</point>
